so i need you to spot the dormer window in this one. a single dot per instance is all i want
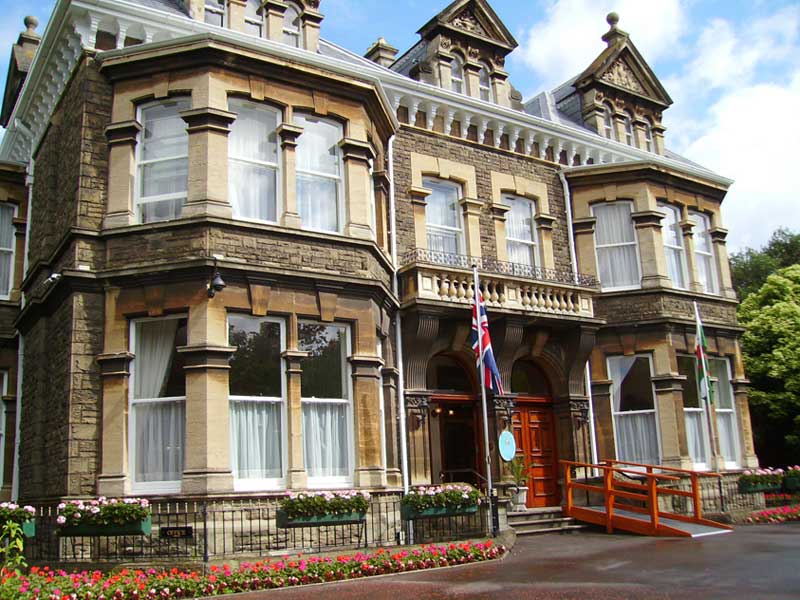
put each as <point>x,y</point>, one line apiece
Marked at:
<point>215,12</point>
<point>292,30</point>
<point>485,84</point>
<point>253,20</point>
<point>457,75</point>
<point>629,138</point>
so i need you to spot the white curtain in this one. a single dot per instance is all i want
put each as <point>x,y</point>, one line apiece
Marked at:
<point>155,343</point>
<point>520,232</point>
<point>675,266</point>
<point>618,367</point>
<point>318,173</point>
<point>725,411</point>
<point>6,247</point>
<point>442,241</point>
<point>256,439</point>
<point>704,252</point>
<point>441,215</point>
<point>317,202</point>
<point>696,435</point>
<point>636,434</point>
<point>726,426</point>
<point>616,245</point>
<point>325,439</point>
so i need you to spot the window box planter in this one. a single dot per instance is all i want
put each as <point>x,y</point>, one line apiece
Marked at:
<point>747,487</point>
<point>409,513</point>
<point>351,518</point>
<point>142,527</point>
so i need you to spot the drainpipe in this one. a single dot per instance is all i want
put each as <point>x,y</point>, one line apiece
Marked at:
<point>397,324</point>
<point>574,260</point>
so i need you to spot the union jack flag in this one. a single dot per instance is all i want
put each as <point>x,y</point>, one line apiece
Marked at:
<point>491,373</point>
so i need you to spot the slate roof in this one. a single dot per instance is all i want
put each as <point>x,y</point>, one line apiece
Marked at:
<point>171,6</point>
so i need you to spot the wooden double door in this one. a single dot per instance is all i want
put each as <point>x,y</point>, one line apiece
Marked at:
<point>534,431</point>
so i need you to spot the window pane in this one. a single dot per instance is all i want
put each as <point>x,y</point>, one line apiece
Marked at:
<point>633,389</point>
<point>705,272</point>
<point>728,435</point>
<point>636,433</point>
<point>158,366</point>
<point>318,146</point>
<point>159,441</point>
<point>164,133</point>
<point>520,219</point>
<point>637,439</point>
<point>291,26</point>
<point>253,191</point>
<point>696,435</point>
<point>253,28</point>
<point>215,9</point>
<point>253,135</point>
<point>324,369</point>
<point>160,211</point>
<point>443,241</point>
<point>702,239</point>
<point>165,177</point>
<point>256,437</point>
<point>325,441</point>
<point>256,364</point>
<point>317,202</point>
<point>614,224</point>
<point>723,392</point>
<point>7,229</point>
<point>6,265</point>
<point>442,203</point>
<point>686,367</point>
<point>618,266</point>
<point>457,75</point>
<point>522,254</point>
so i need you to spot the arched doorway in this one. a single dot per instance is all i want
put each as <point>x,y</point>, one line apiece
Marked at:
<point>456,445</point>
<point>533,424</point>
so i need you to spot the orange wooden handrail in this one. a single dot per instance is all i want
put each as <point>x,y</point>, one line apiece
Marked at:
<point>663,468</point>
<point>572,463</point>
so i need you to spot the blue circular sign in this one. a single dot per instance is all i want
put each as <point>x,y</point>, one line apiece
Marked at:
<point>507,446</point>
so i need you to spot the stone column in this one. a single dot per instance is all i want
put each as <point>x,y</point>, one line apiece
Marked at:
<point>296,477</point>
<point>472,225</point>
<point>391,403</point>
<point>740,394</point>
<point>500,91</point>
<point>357,155</point>
<point>671,425</point>
<point>418,204</point>
<point>122,139</point>
<point>658,137</point>
<point>236,14</point>
<point>651,248</point>
<point>723,265</point>
<point>289,134</point>
<point>544,228</point>
<point>444,68</point>
<point>499,217</point>
<point>583,229</point>
<point>273,11</point>
<point>603,419</point>
<point>208,162</point>
<point>369,471</point>
<point>618,123</point>
<point>639,134</point>
<point>691,263</point>
<point>472,78</point>
<point>115,372</point>
<point>311,20</point>
<point>418,429</point>
<point>380,183</point>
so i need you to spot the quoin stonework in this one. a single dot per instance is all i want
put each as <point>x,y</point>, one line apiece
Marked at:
<point>236,259</point>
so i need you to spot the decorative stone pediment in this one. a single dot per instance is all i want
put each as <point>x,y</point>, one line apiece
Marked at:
<point>471,19</point>
<point>467,21</point>
<point>620,74</point>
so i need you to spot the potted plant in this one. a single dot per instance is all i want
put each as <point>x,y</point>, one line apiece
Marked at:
<point>308,509</point>
<point>440,501</point>
<point>520,470</point>
<point>760,480</point>
<point>104,516</point>
<point>24,516</point>
<point>791,479</point>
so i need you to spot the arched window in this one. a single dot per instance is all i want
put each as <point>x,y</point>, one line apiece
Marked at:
<point>457,74</point>
<point>485,84</point>
<point>215,12</point>
<point>528,379</point>
<point>253,165</point>
<point>629,137</point>
<point>319,173</point>
<point>446,374</point>
<point>608,123</point>
<point>292,29</point>
<point>648,135</point>
<point>253,19</point>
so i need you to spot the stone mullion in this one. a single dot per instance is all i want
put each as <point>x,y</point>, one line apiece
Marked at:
<point>651,249</point>
<point>444,63</point>
<point>544,229</point>
<point>501,238</point>
<point>122,139</point>
<point>274,11</point>
<point>472,79</point>
<point>499,83</point>
<point>618,123</point>
<point>639,134</point>
<point>472,226</point>
<point>691,262</point>
<point>356,156</point>
<point>418,203</point>
<point>369,472</point>
<point>744,428</point>
<point>236,10</point>
<point>583,230</point>
<point>296,476</point>
<point>390,405</point>
<point>311,21</point>
<point>603,418</point>
<point>722,264</point>
<point>289,134</point>
<point>670,421</point>
<point>113,479</point>
<point>380,184</point>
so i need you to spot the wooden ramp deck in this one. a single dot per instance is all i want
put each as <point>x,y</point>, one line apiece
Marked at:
<point>630,505</point>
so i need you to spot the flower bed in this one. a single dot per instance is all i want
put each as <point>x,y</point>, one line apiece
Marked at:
<point>24,516</point>
<point>776,515</point>
<point>104,516</point>
<point>47,584</point>
<point>323,508</point>
<point>440,501</point>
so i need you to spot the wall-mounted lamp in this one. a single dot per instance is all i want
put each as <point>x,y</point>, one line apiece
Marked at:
<point>217,284</point>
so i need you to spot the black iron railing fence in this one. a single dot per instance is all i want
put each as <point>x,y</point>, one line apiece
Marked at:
<point>223,529</point>
<point>499,267</point>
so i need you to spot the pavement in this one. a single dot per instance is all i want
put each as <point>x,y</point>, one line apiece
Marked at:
<point>753,562</point>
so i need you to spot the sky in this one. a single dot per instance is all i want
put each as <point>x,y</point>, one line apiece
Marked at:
<point>732,68</point>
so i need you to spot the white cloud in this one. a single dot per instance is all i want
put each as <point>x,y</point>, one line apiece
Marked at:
<point>567,40</point>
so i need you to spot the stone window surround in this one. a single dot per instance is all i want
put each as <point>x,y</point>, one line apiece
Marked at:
<point>498,79</point>
<point>506,183</point>
<point>207,451</point>
<point>208,123</point>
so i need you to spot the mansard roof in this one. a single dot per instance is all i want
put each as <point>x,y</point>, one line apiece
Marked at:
<point>471,18</point>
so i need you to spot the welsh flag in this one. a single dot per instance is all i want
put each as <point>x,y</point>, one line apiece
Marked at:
<point>700,347</point>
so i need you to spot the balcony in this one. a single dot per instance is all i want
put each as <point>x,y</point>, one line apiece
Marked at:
<point>443,277</point>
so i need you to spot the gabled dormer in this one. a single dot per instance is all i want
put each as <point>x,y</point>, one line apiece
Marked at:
<point>619,95</point>
<point>463,49</point>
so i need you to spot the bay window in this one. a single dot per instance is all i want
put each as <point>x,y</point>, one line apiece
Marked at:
<point>521,231</point>
<point>725,409</point>
<point>253,161</point>
<point>319,171</point>
<point>256,392</point>
<point>7,237</point>
<point>633,409</point>
<point>162,161</point>
<point>215,12</point>
<point>158,404</point>
<point>253,19</point>
<point>615,243</point>
<point>442,216</point>
<point>704,252</point>
<point>325,394</point>
<point>694,415</point>
<point>292,26</point>
<point>673,244</point>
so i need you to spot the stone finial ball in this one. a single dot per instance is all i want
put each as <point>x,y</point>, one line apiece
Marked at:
<point>31,22</point>
<point>612,19</point>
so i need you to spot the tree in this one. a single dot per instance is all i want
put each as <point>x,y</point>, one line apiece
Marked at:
<point>750,268</point>
<point>771,349</point>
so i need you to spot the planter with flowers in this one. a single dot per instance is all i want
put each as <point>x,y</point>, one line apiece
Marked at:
<point>448,500</point>
<point>761,480</point>
<point>24,516</point>
<point>312,509</point>
<point>791,479</point>
<point>104,517</point>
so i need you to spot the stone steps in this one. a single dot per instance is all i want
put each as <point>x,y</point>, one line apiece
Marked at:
<point>534,521</point>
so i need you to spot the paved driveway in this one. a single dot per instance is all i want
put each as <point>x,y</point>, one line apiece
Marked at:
<point>754,562</point>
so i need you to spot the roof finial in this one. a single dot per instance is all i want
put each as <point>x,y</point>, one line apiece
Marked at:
<point>614,34</point>
<point>31,23</point>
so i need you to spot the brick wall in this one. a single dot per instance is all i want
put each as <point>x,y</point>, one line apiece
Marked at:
<point>485,160</point>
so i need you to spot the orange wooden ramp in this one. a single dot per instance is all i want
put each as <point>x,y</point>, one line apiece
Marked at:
<point>630,495</point>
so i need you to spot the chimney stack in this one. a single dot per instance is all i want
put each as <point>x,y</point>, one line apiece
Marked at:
<point>381,52</point>
<point>22,54</point>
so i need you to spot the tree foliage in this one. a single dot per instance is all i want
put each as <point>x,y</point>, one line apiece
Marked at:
<point>771,348</point>
<point>750,268</point>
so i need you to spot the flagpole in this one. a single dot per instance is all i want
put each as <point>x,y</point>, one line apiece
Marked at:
<point>483,398</point>
<point>712,458</point>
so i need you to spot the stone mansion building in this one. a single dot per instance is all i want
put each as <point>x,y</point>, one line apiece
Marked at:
<point>236,259</point>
